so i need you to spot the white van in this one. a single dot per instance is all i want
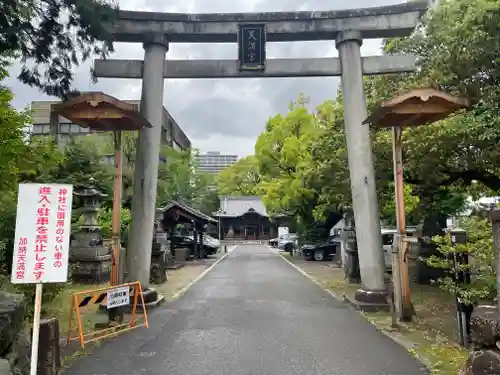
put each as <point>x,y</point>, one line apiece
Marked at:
<point>388,236</point>
<point>387,241</point>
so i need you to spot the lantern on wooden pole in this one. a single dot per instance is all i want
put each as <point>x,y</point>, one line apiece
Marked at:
<point>417,107</point>
<point>101,112</point>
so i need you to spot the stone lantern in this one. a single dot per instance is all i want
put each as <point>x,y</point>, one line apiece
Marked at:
<point>90,258</point>
<point>159,252</point>
<point>91,197</point>
<point>350,259</point>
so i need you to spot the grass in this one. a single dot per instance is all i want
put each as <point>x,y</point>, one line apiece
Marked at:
<point>429,337</point>
<point>424,341</point>
<point>60,307</point>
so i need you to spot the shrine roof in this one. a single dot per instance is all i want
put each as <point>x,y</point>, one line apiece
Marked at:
<point>235,206</point>
<point>416,107</point>
<point>196,214</point>
<point>102,112</point>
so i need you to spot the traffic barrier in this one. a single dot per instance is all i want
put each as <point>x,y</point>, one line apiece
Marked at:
<point>116,296</point>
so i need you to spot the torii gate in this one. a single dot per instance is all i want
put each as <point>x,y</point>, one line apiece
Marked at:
<point>251,31</point>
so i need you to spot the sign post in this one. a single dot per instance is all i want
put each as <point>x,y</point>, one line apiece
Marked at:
<point>252,47</point>
<point>462,276</point>
<point>41,250</point>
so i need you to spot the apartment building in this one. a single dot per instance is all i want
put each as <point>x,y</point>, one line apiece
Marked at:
<point>214,162</point>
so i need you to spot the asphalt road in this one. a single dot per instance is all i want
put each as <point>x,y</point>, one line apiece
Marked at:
<point>252,314</point>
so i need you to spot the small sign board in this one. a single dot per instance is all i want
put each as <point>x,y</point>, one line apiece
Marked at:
<point>118,297</point>
<point>43,226</point>
<point>252,47</point>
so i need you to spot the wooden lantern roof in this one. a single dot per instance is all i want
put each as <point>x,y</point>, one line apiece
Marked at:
<point>102,112</point>
<point>416,107</point>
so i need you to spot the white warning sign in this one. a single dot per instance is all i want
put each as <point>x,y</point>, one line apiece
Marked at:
<point>118,297</point>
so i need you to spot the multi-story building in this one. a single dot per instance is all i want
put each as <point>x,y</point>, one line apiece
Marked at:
<point>214,162</point>
<point>172,134</point>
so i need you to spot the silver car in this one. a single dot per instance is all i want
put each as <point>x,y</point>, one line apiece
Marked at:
<point>288,243</point>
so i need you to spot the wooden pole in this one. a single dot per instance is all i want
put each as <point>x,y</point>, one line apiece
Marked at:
<point>116,278</point>
<point>36,329</point>
<point>116,314</point>
<point>400,261</point>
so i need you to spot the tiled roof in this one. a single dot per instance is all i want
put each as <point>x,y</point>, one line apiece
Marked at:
<point>237,206</point>
<point>200,215</point>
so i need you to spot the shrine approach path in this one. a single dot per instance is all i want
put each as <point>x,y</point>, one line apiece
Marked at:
<point>252,314</point>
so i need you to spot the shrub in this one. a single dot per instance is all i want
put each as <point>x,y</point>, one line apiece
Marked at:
<point>106,222</point>
<point>479,248</point>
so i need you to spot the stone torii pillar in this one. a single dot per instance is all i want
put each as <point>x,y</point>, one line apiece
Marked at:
<point>146,165</point>
<point>361,171</point>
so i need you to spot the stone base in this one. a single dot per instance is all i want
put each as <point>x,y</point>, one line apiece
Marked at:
<point>159,300</point>
<point>149,294</point>
<point>92,272</point>
<point>157,273</point>
<point>182,254</point>
<point>484,358</point>
<point>482,362</point>
<point>175,266</point>
<point>369,301</point>
<point>485,326</point>
<point>151,299</point>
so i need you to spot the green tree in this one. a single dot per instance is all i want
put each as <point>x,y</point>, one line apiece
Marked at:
<point>12,148</point>
<point>52,37</point>
<point>178,180</point>
<point>241,178</point>
<point>300,165</point>
<point>457,48</point>
<point>282,153</point>
<point>83,161</point>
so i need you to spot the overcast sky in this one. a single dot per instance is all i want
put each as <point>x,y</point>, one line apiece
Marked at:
<point>225,115</point>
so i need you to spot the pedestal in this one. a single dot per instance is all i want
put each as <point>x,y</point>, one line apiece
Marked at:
<point>90,264</point>
<point>158,273</point>
<point>369,300</point>
<point>151,298</point>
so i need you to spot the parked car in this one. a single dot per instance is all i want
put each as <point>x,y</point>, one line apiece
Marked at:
<point>274,241</point>
<point>388,241</point>
<point>211,241</point>
<point>209,246</point>
<point>288,243</point>
<point>322,250</point>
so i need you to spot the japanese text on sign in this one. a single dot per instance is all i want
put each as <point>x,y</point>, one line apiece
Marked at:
<point>118,297</point>
<point>252,46</point>
<point>43,226</point>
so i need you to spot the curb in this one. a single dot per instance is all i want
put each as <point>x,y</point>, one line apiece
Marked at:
<point>405,344</point>
<point>200,276</point>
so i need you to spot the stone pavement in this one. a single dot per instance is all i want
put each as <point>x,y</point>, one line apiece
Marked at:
<point>253,314</point>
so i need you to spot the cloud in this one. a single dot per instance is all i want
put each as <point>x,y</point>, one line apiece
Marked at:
<point>221,114</point>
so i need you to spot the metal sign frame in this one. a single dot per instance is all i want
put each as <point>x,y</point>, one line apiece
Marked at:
<point>98,296</point>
